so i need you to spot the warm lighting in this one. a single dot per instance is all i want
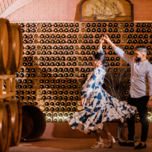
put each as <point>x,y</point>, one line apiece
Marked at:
<point>150,116</point>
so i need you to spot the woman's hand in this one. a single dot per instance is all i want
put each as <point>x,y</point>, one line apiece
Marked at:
<point>101,42</point>
<point>82,101</point>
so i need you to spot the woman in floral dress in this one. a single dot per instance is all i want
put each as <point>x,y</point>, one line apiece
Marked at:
<point>98,106</point>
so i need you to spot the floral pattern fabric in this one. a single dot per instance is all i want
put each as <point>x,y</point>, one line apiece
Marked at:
<point>99,106</point>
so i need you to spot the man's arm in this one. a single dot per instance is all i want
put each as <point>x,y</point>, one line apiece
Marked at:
<point>149,104</point>
<point>150,81</point>
<point>118,50</point>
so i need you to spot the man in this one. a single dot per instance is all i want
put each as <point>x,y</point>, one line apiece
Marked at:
<point>140,90</point>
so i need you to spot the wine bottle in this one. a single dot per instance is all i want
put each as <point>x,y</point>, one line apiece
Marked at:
<point>28,97</point>
<point>131,30</point>
<point>110,30</point>
<point>47,108</point>
<point>55,97</point>
<point>52,108</point>
<point>104,30</point>
<point>129,36</point>
<point>126,30</point>
<point>143,30</point>
<point>21,92</point>
<point>131,24</point>
<point>21,97</point>
<point>33,97</point>
<point>138,25</point>
<point>129,41</point>
<point>33,92</point>
<point>48,97</point>
<point>118,63</point>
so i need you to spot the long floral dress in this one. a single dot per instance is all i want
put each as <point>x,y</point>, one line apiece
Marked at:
<point>99,106</point>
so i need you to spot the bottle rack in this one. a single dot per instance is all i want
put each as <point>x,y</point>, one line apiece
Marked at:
<point>49,49</point>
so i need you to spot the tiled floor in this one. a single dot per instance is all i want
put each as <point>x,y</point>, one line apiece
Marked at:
<point>71,145</point>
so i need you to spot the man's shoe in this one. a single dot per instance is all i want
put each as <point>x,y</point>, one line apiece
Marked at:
<point>140,146</point>
<point>129,144</point>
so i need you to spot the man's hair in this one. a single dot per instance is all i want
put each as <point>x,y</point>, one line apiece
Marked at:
<point>142,49</point>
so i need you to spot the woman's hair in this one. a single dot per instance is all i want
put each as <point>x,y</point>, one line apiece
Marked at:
<point>101,56</point>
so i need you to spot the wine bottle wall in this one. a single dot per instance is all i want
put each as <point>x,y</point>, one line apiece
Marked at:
<point>58,57</point>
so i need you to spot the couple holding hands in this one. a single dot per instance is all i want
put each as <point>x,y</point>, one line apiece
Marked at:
<point>100,107</point>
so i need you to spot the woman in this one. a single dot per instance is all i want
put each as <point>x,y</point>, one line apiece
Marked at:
<point>98,106</point>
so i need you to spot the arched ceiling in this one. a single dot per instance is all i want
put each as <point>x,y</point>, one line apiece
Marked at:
<point>9,6</point>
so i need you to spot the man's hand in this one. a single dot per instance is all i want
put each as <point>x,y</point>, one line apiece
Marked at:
<point>82,102</point>
<point>149,104</point>
<point>106,38</point>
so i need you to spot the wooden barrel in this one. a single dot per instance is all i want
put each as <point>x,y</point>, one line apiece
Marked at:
<point>5,46</point>
<point>17,48</point>
<point>5,127</point>
<point>16,121</point>
<point>34,123</point>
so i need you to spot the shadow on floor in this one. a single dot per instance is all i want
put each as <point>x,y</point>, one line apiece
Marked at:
<point>63,143</point>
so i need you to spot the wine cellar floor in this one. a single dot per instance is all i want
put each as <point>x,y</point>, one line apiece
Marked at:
<point>71,145</point>
<point>63,130</point>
